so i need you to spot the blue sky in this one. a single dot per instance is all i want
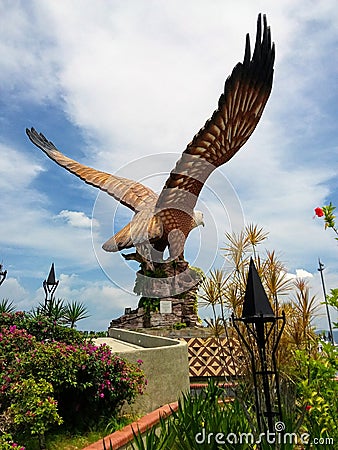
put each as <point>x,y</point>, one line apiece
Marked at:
<point>123,87</point>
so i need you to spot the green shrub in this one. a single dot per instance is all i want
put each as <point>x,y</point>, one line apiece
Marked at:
<point>179,325</point>
<point>77,382</point>
<point>42,327</point>
<point>33,407</point>
<point>7,443</point>
<point>317,390</point>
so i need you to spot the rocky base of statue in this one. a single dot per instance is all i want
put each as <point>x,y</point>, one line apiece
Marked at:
<point>168,293</point>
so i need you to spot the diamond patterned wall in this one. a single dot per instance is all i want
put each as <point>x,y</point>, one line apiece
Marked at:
<point>211,357</point>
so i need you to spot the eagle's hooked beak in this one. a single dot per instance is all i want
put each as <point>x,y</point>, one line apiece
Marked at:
<point>198,218</point>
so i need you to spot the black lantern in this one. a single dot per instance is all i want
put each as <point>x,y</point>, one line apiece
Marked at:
<point>3,274</point>
<point>261,340</point>
<point>50,285</point>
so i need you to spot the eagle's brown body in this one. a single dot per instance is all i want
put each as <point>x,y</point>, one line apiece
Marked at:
<point>166,220</point>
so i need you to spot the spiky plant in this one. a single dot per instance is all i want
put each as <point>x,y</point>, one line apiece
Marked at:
<point>53,309</point>
<point>212,289</point>
<point>299,308</point>
<point>275,278</point>
<point>236,250</point>
<point>73,312</point>
<point>7,306</point>
<point>304,309</point>
<point>215,327</point>
<point>255,236</point>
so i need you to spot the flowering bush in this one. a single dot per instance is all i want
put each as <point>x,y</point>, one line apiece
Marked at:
<point>71,382</point>
<point>42,327</point>
<point>111,377</point>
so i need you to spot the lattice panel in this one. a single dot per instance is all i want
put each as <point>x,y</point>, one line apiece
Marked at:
<point>211,357</point>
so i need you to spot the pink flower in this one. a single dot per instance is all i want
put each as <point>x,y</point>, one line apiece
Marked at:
<point>139,361</point>
<point>102,395</point>
<point>319,212</point>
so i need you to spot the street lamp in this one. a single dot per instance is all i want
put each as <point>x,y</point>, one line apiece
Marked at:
<point>3,274</point>
<point>259,321</point>
<point>50,285</point>
<point>320,269</point>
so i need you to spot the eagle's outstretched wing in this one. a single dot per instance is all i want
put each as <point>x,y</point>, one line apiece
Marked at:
<point>128,192</point>
<point>240,107</point>
<point>169,218</point>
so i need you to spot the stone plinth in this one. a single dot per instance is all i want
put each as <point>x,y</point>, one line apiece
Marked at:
<point>174,283</point>
<point>182,312</point>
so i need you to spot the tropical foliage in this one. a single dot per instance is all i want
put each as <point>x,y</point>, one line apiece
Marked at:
<point>307,368</point>
<point>61,312</point>
<point>306,375</point>
<point>199,422</point>
<point>50,375</point>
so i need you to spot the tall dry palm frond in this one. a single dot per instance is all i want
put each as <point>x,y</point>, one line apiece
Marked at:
<point>236,249</point>
<point>255,236</point>
<point>305,310</point>
<point>209,292</point>
<point>234,298</point>
<point>305,304</point>
<point>220,279</point>
<point>215,327</point>
<point>275,276</point>
<point>213,286</point>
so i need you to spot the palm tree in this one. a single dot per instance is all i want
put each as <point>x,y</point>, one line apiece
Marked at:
<point>73,312</point>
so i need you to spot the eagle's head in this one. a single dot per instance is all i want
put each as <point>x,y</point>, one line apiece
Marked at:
<point>198,219</point>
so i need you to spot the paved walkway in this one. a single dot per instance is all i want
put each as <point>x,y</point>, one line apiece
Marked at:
<point>116,345</point>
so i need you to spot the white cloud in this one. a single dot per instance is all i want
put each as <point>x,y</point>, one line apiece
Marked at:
<point>16,170</point>
<point>77,219</point>
<point>300,273</point>
<point>27,66</point>
<point>12,289</point>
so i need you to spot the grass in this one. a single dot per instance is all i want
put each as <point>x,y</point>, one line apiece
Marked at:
<point>66,440</point>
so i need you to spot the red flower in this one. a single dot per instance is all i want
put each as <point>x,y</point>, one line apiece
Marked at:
<point>319,212</point>
<point>308,407</point>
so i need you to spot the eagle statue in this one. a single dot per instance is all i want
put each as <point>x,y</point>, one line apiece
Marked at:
<point>165,220</point>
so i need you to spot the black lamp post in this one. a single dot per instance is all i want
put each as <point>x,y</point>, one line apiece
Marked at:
<point>3,274</point>
<point>320,269</point>
<point>50,285</point>
<point>260,320</point>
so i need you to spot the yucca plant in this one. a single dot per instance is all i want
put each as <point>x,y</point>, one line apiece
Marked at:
<point>53,309</point>
<point>73,312</point>
<point>7,306</point>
